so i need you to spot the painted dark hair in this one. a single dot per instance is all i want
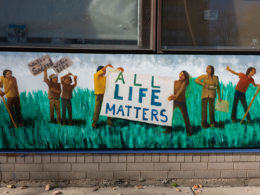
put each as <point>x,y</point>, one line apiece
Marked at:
<point>6,71</point>
<point>187,77</point>
<point>212,69</point>
<point>249,70</point>
<point>99,68</point>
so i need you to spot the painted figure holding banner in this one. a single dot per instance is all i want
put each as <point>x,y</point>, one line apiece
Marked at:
<point>99,90</point>
<point>53,95</point>
<point>67,89</point>
<point>179,98</point>
<point>241,88</point>
<point>9,83</point>
<point>210,85</point>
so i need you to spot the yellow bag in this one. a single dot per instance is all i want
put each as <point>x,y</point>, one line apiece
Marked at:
<point>222,106</point>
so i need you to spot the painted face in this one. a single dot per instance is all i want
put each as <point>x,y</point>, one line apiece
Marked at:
<point>55,80</point>
<point>67,80</point>
<point>252,73</point>
<point>208,70</point>
<point>8,75</point>
<point>182,76</point>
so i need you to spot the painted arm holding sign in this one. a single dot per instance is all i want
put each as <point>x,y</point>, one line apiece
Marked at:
<point>99,90</point>
<point>53,95</point>
<point>66,96</point>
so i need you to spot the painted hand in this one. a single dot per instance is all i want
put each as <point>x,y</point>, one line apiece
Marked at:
<point>170,98</point>
<point>120,69</point>
<point>109,65</point>
<point>227,68</point>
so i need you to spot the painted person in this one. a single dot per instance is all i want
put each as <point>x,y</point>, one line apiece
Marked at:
<point>67,89</point>
<point>179,98</point>
<point>210,84</point>
<point>99,90</point>
<point>244,81</point>
<point>53,95</point>
<point>9,83</point>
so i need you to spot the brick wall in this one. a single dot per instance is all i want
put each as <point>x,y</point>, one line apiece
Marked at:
<point>129,166</point>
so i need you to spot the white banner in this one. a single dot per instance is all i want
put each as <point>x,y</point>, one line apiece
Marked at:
<point>138,97</point>
<point>37,66</point>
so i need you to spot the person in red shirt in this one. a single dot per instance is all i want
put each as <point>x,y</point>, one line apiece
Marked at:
<point>241,87</point>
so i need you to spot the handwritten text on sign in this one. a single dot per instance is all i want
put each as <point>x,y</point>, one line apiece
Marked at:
<point>62,64</point>
<point>37,66</point>
<point>138,97</point>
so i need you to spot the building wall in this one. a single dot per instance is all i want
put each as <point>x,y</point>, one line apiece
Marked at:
<point>129,166</point>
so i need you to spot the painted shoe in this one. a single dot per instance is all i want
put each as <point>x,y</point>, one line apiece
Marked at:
<point>205,126</point>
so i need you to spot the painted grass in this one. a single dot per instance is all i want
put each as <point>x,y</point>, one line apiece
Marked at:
<point>39,134</point>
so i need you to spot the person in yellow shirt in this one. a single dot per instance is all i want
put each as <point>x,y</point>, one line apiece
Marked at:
<point>210,84</point>
<point>99,90</point>
<point>9,83</point>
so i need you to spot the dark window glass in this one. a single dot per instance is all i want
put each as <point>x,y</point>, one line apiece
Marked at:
<point>210,24</point>
<point>97,24</point>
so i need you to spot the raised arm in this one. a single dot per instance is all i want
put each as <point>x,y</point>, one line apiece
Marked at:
<point>45,78</point>
<point>105,67</point>
<point>75,81</point>
<point>120,69</point>
<point>230,70</point>
<point>62,78</point>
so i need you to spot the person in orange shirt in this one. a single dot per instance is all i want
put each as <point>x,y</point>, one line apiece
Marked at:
<point>11,91</point>
<point>242,86</point>
<point>99,90</point>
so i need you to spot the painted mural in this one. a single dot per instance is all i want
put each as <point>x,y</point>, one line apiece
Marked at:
<point>56,101</point>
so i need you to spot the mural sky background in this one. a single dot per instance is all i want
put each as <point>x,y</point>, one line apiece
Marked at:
<point>84,65</point>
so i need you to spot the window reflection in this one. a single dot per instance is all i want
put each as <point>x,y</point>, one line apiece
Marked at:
<point>213,24</point>
<point>77,23</point>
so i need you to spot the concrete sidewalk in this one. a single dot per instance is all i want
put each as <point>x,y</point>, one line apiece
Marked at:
<point>147,190</point>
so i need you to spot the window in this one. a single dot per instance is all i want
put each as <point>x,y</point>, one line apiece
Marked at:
<point>209,25</point>
<point>93,24</point>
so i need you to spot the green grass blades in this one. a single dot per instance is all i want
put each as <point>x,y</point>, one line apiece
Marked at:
<point>38,133</point>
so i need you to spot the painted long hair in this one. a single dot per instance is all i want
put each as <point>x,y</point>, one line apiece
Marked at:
<point>249,70</point>
<point>187,77</point>
<point>212,69</point>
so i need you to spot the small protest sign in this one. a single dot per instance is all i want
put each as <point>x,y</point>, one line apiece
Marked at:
<point>62,64</point>
<point>138,97</point>
<point>37,66</point>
